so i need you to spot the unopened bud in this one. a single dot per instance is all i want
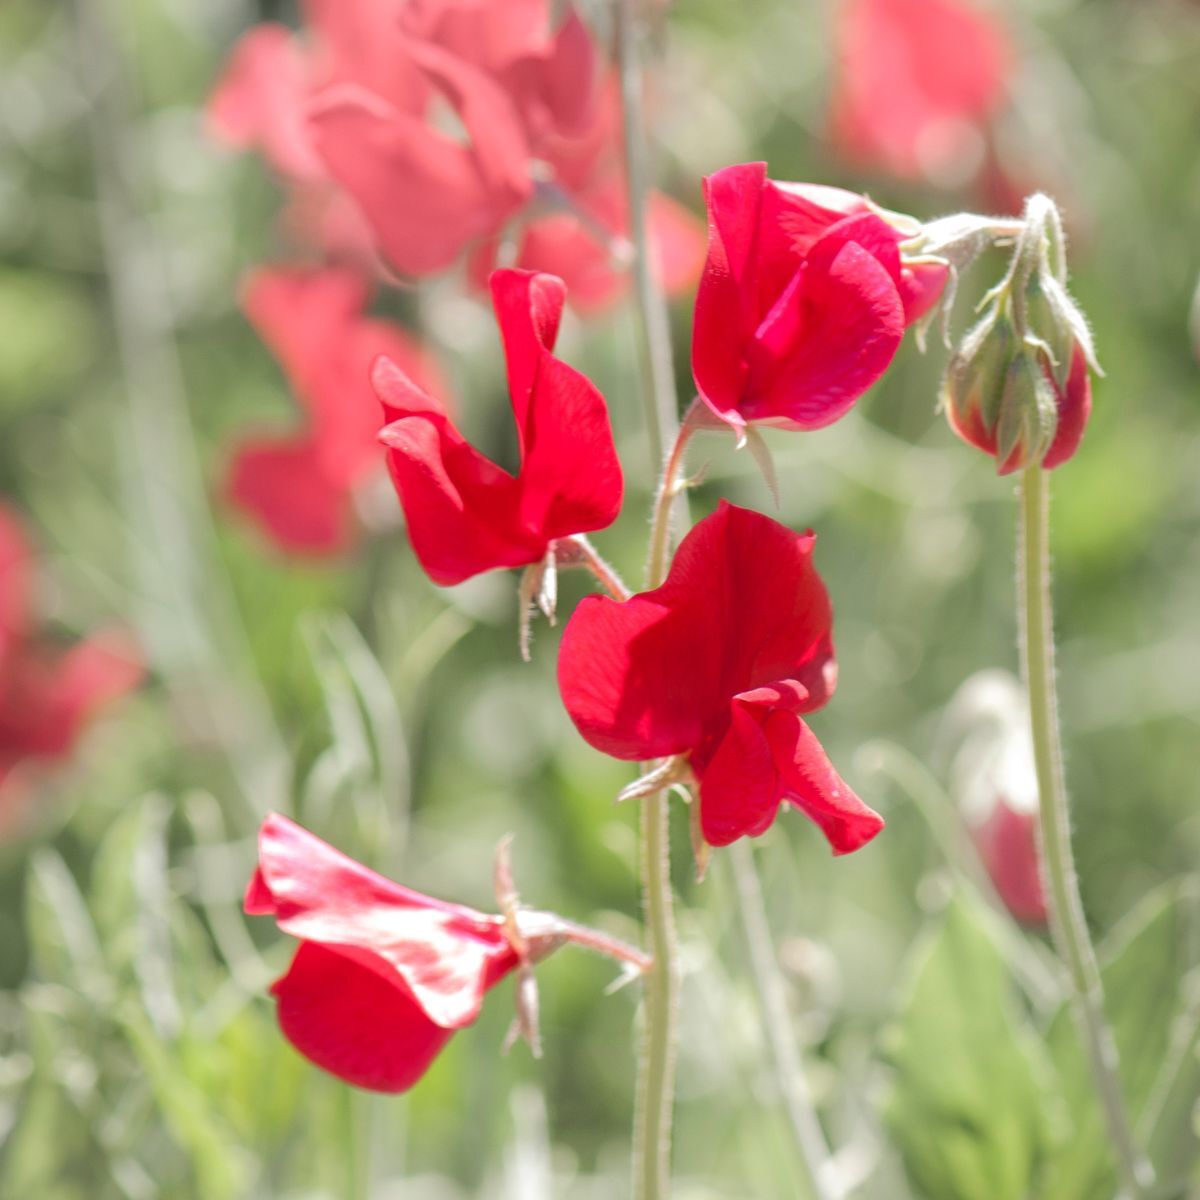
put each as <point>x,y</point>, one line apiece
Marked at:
<point>1018,386</point>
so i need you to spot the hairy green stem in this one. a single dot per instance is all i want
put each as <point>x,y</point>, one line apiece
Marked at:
<point>1067,921</point>
<point>656,1063</point>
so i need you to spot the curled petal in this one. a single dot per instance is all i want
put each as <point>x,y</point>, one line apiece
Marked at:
<point>740,787</point>
<point>810,782</point>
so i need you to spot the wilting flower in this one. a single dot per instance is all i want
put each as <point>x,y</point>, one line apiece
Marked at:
<point>719,665</point>
<point>299,487</point>
<point>994,781</point>
<point>465,514</point>
<point>48,694</point>
<point>917,82</point>
<point>384,975</point>
<point>803,301</point>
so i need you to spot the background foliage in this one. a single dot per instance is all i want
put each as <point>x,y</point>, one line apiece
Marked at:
<point>138,1053</point>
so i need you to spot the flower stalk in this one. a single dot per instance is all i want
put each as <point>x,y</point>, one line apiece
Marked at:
<point>1067,921</point>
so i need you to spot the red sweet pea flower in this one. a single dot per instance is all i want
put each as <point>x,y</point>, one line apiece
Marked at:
<point>383,975</point>
<point>917,81</point>
<point>299,488</point>
<point>48,695</point>
<point>802,303</point>
<point>719,664</point>
<point>465,514</point>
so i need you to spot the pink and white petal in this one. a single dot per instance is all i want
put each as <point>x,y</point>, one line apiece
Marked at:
<point>446,955</point>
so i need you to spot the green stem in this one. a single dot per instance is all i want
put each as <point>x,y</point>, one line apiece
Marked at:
<point>656,1066</point>
<point>654,331</point>
<point>1067,920</point>
<point>812,1151</point>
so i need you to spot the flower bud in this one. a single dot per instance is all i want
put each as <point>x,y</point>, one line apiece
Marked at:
<point>1018,386</point>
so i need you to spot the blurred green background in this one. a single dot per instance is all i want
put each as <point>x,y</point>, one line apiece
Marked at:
<point>138,1051</point>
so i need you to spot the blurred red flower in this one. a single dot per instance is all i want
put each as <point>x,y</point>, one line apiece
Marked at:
<point>425,129</point>
<point>916,84</point>
<point>465,514</point>
<point>803,300</point>
<point>719,664</point>
<point>48,694</point>
<point>383,975</point>
<point>1007,841</point>
<point>299,487</point>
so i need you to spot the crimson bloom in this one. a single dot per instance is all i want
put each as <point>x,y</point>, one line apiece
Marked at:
<point>719,664</point>
<point>917,82</point>
<point>383,975</point>
<point>48,694</point>
<point>465,514</point>
<point>803,301</point>
<point>299,487</point>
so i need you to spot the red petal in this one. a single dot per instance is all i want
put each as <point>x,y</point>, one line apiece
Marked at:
<point>812,785</point>
<point>365,43</point>
<point>352,1022</point>
<point>915,76</point>
<point>570,480</point>
<point>47,698</point>
<point>16,581</point>
<point>677,242</point>
<point>444,954</point>
<point>724,317</point>
<point>1007,843</point>
<point>739,788</point>
<point>833,336</point>
<point>421,191</point>
<point>281,485</point>
<point>742,607</point>
<point>1074,408</point>
<point>301,315</point>
<point>260,102</point>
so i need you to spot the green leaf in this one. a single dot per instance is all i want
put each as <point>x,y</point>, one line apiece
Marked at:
<point>1155,1025</point>
<point>62,938</point>
<point>968,1106</point>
